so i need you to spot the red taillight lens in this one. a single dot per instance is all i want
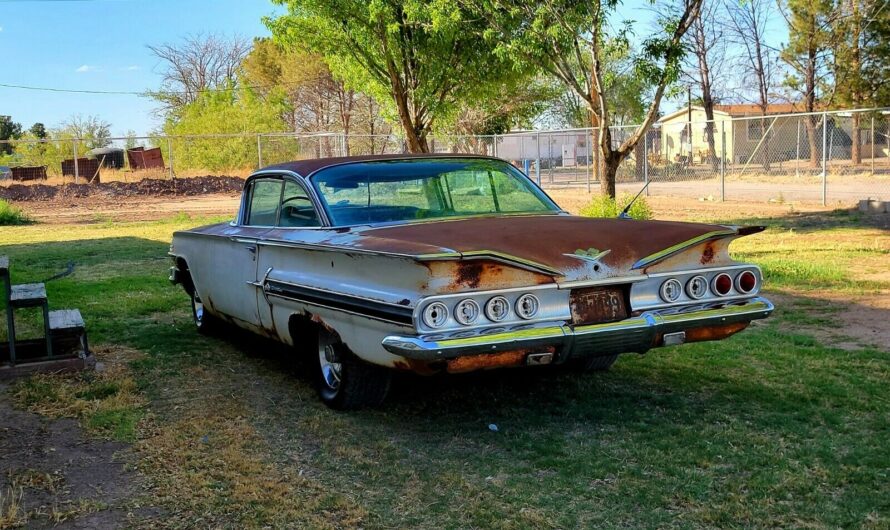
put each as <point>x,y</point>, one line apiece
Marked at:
<point>722,284</point>
<point>746,282</point>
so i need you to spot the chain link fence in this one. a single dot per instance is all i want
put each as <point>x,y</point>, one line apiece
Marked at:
<point>818,157</point>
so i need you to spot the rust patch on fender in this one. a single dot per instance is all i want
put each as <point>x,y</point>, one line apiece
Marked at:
<point>478,274</point>
<point>707,255</point>
<point>469,273</point>
<point>320,321</point>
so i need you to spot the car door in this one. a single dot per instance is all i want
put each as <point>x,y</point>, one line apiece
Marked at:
<point>297,212</point>
<point>236,260</point>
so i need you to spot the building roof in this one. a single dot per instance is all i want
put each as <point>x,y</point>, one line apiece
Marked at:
<point>684,111</point>
<point>307,167</point>
<point>751,109</point>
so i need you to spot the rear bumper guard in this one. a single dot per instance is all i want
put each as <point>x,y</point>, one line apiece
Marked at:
<point>635,334</point>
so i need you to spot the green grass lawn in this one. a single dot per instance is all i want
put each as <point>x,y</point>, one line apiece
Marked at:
<point>769,428</point>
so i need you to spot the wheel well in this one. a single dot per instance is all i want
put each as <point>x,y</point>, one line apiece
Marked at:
<point>185,275</point>
<point>304,329</point>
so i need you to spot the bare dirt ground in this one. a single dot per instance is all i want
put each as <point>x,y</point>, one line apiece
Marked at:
<point>57,477</point>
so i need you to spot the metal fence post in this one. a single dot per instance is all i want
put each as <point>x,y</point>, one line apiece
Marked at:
<point>259,151</point>
<point>645,163</point>
<point>873,145</point>
<point>538,158</point>
<point>797,157</point>
<point>550,156</point>
<point>170,156</point>
<point>824,159</point>
<point>723,161</point>
<point>76,169</point>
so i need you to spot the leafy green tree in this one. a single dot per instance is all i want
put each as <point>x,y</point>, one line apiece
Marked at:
<point>38,130</point>
<point>570,39</point>
<point>220,112</point>
<point>808,54</point>
<point>9,130</point>
<point>423,58</point>
<point>861,50</point>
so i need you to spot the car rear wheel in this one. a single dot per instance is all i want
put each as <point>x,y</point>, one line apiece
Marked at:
<point>206,323</point>
<point>346,383</point>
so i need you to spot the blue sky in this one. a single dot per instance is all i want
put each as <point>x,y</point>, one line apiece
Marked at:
<point>101,45</point>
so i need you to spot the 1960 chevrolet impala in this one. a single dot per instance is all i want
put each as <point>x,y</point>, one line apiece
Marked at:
<point>452,263</point>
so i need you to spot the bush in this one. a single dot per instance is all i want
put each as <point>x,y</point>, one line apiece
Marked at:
<point>603,206</point>
<point>10,215</point>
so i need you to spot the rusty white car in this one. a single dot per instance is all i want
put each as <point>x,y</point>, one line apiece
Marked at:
<point>452,263</point>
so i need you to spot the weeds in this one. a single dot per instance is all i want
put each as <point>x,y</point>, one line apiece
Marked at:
<point>604,206</point>
<point>11,215</point>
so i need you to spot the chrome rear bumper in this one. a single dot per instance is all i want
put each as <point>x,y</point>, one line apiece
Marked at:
<point>635,334</point>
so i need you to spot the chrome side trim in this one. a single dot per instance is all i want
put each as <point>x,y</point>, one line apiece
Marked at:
<point>636,334</point>
<point>615,280</point>
<point>673,249</point>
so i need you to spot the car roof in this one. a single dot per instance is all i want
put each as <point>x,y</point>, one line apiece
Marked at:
<point>305,168</point>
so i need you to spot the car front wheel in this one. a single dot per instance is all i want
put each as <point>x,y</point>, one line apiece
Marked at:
<point>346,383</point>
<point>206,323</point>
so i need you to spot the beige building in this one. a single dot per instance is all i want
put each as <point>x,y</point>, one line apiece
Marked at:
<point>743,128</point>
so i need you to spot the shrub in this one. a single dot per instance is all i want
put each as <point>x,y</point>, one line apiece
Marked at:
<point>10,215</point>
<point>603,206</point>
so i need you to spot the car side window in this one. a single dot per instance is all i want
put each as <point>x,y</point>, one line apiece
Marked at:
<point>265,198</point>
<point>297,209</point>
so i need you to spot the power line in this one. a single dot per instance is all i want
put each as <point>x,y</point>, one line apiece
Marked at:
<point>148,93</point>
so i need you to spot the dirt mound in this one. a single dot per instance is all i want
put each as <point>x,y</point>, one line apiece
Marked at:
<point>145,187</point>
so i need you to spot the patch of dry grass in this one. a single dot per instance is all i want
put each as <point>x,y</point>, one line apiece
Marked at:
<point>209,467</point>
<point>11,513</point>
<point>107,402</point>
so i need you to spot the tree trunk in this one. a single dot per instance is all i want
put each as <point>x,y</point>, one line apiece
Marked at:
<point>810,122</point>
<point>610,172</point>
<point>856,68</point>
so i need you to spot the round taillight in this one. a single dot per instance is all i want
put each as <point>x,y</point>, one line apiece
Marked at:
<point>527,306</point>
<point>671,290</point>
<point>722,284</point>
<point>435,315</point>
<point>746,282</point>
<point>466,311</point>
<point>697,287</point>
<point>497,308</point>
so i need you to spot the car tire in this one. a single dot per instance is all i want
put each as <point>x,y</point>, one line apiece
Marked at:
<point>206,323</point>
<point>346,383</point>
<point>599,363</point>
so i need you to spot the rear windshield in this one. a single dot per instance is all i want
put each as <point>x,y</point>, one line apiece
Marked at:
<point>407,190</point>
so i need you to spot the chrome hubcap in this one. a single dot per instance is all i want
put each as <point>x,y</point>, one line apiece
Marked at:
<point>199,309</point>
<point>331,368</point>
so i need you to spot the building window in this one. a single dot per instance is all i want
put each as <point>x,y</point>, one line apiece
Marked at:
<point>755,129</point>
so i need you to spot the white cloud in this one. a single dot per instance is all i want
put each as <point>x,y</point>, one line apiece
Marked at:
<point>86,68</point>
<point>1,29</point>
<point>132,68</point>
